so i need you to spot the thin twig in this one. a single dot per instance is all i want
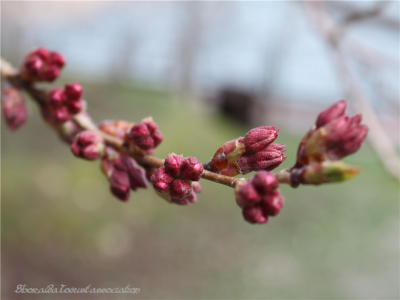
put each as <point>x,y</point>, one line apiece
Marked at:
<point>85,123</point>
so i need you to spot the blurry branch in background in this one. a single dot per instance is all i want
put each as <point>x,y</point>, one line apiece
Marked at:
<point>374,14</point>
<point>333,33</point>
<point>358,16</point>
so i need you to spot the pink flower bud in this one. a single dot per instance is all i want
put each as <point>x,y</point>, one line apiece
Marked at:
<point>335,140</point>
<point>349,143</point>
<point>75,107</point>
<point>259,138</point>
<point>43,53</point>
<point>56,59</point>
<point>161,180</point>
<point>335,136</point>
<point>13,106</point>
<point>88,137</point>
<point>88,145</point>
<point>136,174</point>
<point>157,137</point>
<point>173,163</point>
<point>42,65</point>
<point>191,169</point>
<point>180,189</point>
<point>73,91</point>
<point>335,111</point>
<point>247,195</point>
<point>56,97</point>
<point>33,65</point>
<point>61,114</point>
<point>145,135</point>
<point>254,215</point>
<point>106,166</point>
<point>265,182</point>
<point>120,187</point>
<point>91,152</point>
<point>49,73</point>
<point>151,126</point>
<point>272,204</point>
<point>267,160</point>
<point>259,198</point>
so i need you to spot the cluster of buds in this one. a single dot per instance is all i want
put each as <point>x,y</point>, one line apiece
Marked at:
<point>88,145</point>
<point>13,106</point>
<point>42,65</point>
<point>254,152</point>
<point>333,137</point>
<point>259,198</point>
<point>174,179</point>
<point>64,103</point>
<point>123,173</point>
<point>145,135</point>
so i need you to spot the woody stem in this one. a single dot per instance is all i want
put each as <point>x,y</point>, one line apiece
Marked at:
<point>39,96</point>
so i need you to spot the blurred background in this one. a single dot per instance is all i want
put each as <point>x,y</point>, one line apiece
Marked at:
<point>207,72</point>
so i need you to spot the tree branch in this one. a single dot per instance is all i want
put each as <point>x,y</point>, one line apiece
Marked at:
<point>85,123</point>
<point>377,137</point>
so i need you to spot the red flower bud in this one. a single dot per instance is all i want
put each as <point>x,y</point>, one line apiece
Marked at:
<point>75,107</point>
<point>247,196</point>
<point>88,145</point>
<point>56,97</point>
<point>272,204</point>
<point>73,91</point>
<point>49,73</point>
<point>43,53</point>
<point>33,65</point>
<point>161,180</point>
<point>265,182</point>
<point>61,105</point>
<point>252,153</point>
<point>145,135</point>
<point>120,187</point>
<point>334,136</point>
<point>349,143</point>
<point>335,111</point>
<point>180,189</point>
<point>56,59</point>
<point>259,138</point>
<point>13,106</point>
<point>61,114</point>
<point>136,174</point>
<point>267,160</point>
<point>259,198</point>
<point>254,215</point>
<point>335,140</point>
<point>173,163</point>
<point>191,169</point>
<point>42,65</point>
